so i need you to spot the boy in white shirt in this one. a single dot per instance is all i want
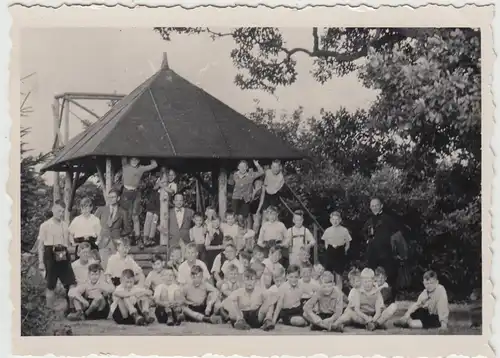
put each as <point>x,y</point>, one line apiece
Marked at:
<point>131,302</point>
<point>184,276</point>
<point>91,297</point>
<point>272,263</point>
<point>157,275</point>
<point>309,286</point>
<point>230,227</point>
<point>272,231</point>
<point>297,237</point>
<point>86,227</point>
<point>168,300</point>
<point>81,266</point>
<point>121,261</point>
<point>197,234</point>
<point>274,181</point>
<point>220,269</point>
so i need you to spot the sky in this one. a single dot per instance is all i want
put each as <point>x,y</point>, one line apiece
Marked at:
<point>108,60</point>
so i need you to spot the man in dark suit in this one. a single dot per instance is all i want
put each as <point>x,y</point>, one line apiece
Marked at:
<point>114,225</point>
<point>180,221</point>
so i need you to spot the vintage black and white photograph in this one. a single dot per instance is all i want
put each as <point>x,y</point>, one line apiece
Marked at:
<point>251,180</point>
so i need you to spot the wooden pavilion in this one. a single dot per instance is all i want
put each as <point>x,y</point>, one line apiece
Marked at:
<point>181,126</point>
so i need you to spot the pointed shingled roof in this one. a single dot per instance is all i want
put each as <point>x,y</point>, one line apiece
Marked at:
<point>169,118</point>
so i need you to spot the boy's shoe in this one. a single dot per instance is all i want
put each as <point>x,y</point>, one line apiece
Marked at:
<point>179,319</point>
<point>380,325</point>
<point>224,315</point>
<point>148,319</point>
<point>215,319</point>
<point>370,326</point>
<point>400,323</point>
<point>267,325</point>
<point>336,328</point>
<point>138,319</point>
<point>76,316</point>
<point>241,325</point>
<point>170,320</point>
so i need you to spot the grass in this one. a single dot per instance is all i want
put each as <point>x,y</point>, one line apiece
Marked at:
<point>459,325</point>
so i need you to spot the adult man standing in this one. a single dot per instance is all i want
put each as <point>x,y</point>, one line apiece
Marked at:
<point>180,221</point>
<point>381,232</point>
<point>114,225</point>
<point>53,256</point>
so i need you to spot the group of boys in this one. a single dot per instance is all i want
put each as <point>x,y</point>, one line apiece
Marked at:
<point>245,291</point>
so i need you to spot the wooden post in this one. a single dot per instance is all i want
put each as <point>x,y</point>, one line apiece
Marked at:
<point>198,196</point>
<point>108,177</point>
<point>66,121</point>
<point>222,192</point>
<point>100,174</point>
<point>164,212</point>
<point>55,115</point>
<point>68,183</point>
<point>316,238</point>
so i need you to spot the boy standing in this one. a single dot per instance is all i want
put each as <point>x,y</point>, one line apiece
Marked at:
<point>121,261</point>
<point>297,237</point>
<point>431,309</point>
<point>197,234</point>
<point>131,302</point>
<point>168,299</point>
<point>325,307</point>
<point>90,298</point>
<point>247,306</point>
<point>289,307</point>
<point>272,230</point>
<point>86,227</point>
<point>201,298</point>
<point>367,305</point>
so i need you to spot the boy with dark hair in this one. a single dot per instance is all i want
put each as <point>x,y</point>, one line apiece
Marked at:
<point>231,281</point>
<point>247,305</point>
<point>175,259</point>
<point>431,309</point>
<point>289,306</point>
<point>157,275</point>
<point>201,299</point>
<point>197,234</point>
<point>383,286</point>
<point>325,307</point>
<point>86,227</point>
<point>90,298</point>
<point>131,302</point>
<point>168,300</point>
<point>272,263</point>
<point>220,269</point>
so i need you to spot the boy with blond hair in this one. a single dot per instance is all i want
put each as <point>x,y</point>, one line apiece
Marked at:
<point>168,300</point>
<point>431,309</point>
<point>309,285</point>
<point>91,297</point>
<point>121,261</point>
<point>289,306</point>
<point>325,306</point>
<point>131,301</point>
<point>366,306</point>
<point>185,275</point>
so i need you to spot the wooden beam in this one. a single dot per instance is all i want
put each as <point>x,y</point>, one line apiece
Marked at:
<point>100,175</point>
<point>66,123</point>
<point>198,195</point>
<point>164,212</point>
<point>56,189</point>
<point>222,192</point>
<point>74,186</point>
<point>108,176</point>
<point>90,96</point>
<point>81,106</point>
<point>68,182</point>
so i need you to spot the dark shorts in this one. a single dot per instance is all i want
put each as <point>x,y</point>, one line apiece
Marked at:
<point>254,205</point>
<point>252,318</point>
<point>130,201</point>
<point>102,314</point>
<point>240,207</point>
<point>115,281</point>
<point>272,199</point>
<point>335,259</point>
<point>55,270</point>
<point>286,314</point>
<point>153,203</point>
<point>428,320</point>
<point>118,317</point>
<point>162,314</point>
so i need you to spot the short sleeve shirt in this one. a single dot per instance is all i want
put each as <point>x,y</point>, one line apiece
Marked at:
<point>53,233</point>
<point>184,273</point>
<point>82,226</point>
<point>116,265</point>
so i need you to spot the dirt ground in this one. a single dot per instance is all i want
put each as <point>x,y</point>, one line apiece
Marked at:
<point>459,325</point>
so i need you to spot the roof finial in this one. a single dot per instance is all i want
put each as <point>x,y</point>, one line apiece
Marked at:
<point>164,63</point>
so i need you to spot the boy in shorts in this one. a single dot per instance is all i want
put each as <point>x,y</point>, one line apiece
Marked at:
<point>247,306</point>
<point>131,302</point>
<point>121,261</point>
<point>201,299</point>
<point>354,277</point>
<point>91,297</point>
<point>366,307</point>
<point>289,306</point>
<point>431,309</point>
<point>325,307</point>
<point>168,300</point>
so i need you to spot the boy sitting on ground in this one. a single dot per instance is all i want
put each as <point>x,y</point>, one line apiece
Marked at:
<point>91,297</point>
<point>383,286</point>
<point>231,281</point>
<point>258,255</point>
<point>245,257</point>
<point>325,307</point>
<point>185,274</point>
<point>263,281</point>
<point>131,301</point>
<point>272,263</point>
<point>168,300</point>
<point>247,305</point>
<point>309,286</point>
<point>289,307</point>
<point>354,277</point>
<point>366,307</point>
<point>175,260</point>
<point>157,275</point>
<point>121,261</point>
<point>201,299</point>
<point>431,309</point>
<point>223,260</point>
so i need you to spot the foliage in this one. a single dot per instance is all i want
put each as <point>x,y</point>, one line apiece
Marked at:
<point>36,317</point>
